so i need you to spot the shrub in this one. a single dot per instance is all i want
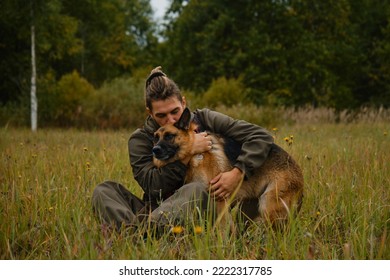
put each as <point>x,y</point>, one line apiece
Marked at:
<point>225,92</point>
<point>264,116</point>
<point>72,91</point>
<point>117,104</point>
<point>14,114</point>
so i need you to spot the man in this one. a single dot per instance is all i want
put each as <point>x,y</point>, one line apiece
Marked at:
<point>166,200</point>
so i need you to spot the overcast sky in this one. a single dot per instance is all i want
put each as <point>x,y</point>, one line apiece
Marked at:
<point>159,7</point>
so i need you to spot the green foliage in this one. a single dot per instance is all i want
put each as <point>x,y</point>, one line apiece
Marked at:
<point>114,35</point>
<point>324,53</point>
<point>15,114</point>
<point>48,99</point>
<point>284,53</point>
<point>53,46</point>
<point>264,116</point>
<point>116,104</point>
<point>100,40</point>
<point>72,90</point>
<point>74,102</point>
<point>225,91</point>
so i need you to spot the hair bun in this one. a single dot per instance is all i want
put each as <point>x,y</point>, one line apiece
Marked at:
<point>157,69</point>
<point>156,72</point>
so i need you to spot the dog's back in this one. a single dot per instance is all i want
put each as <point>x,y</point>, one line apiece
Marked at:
<point>278,183</point>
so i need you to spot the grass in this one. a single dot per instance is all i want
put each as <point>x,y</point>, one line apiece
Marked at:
<point>47,178</point>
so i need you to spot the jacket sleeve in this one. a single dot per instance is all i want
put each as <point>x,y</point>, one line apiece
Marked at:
<point>255,141</point>
<point>156,183</point>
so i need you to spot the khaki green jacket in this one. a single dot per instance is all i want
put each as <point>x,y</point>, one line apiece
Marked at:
<point>159,184</point>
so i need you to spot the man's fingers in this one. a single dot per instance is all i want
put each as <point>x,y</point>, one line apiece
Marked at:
<point>216,179</point>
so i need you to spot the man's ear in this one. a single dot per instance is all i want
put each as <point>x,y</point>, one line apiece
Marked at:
<point>185,120</point>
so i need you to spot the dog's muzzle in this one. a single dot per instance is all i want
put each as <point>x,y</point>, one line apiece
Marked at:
<point>163,153</point>
<point>157,151</point>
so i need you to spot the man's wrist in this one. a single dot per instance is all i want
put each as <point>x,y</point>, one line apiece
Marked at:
<point>237,171</point>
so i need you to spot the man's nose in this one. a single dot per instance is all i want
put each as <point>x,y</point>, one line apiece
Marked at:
<point>171,119</point>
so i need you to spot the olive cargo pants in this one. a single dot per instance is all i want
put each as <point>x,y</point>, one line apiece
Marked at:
<point>114,204</point>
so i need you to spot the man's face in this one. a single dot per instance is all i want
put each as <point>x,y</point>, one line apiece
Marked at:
<point>167,111</point>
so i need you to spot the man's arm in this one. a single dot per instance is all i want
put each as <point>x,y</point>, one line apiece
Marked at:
<point>255,141</point>
<point>156,183</point>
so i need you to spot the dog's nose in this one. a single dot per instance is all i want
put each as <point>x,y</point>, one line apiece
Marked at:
<point>156,151</point>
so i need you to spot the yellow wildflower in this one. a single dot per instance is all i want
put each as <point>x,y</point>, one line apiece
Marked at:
<point>289,140</point>
<point>177,229</point>
<point>198,229</point>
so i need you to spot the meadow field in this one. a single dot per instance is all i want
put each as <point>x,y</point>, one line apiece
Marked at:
<point>47,179</point>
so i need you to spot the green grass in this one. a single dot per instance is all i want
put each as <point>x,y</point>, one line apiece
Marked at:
<point>47,179</point>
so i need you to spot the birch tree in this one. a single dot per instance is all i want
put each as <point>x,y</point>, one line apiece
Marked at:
<point>34,100</point>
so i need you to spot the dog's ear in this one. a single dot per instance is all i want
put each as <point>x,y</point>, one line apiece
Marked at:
<point>185,120</point>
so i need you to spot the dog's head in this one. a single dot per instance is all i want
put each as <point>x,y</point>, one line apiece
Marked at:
<point>173,141</point>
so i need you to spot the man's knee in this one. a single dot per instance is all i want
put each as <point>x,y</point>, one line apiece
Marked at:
<point>99,189</point>
<point>105,189</point>
<point>193,189</point>
<point>110,202</point>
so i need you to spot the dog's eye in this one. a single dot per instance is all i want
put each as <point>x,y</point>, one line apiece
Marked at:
<point>169,137</point>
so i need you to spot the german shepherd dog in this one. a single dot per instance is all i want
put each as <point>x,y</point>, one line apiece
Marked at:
<point>277,185</point>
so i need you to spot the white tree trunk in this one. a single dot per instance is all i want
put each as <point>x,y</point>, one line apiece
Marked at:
<point>34,101</point>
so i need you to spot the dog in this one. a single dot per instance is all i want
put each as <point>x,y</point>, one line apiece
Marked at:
<point>277,186</point>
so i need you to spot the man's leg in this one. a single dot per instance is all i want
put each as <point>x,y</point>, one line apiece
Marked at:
<point>182,206</point>
<point>115,205</point>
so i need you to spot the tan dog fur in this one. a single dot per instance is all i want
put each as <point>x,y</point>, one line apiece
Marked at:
<point>278,183</point>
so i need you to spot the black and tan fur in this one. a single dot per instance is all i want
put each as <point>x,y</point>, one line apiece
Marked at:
<point>277,184</point>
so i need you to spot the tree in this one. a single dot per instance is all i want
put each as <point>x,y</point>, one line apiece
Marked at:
<point>39,37</point>
<point>101,40</point>
<point>116,37</point>
<point>15,50</point>
<point>34,101</point>
<point>294,52</point>
<point>372,20</point>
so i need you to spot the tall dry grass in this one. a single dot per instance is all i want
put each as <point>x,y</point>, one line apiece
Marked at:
<point>47,179</point>
<point>307,115</point>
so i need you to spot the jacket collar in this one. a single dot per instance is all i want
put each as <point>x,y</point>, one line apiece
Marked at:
<point>150,125</point>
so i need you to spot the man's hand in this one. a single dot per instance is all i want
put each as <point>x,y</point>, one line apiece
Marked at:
<point>202,143</point>
<point>224,184</point>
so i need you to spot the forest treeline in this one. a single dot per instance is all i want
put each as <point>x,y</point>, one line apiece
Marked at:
<point>92,56</point>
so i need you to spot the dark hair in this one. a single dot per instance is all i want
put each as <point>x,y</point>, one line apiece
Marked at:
<point>159,87</point>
